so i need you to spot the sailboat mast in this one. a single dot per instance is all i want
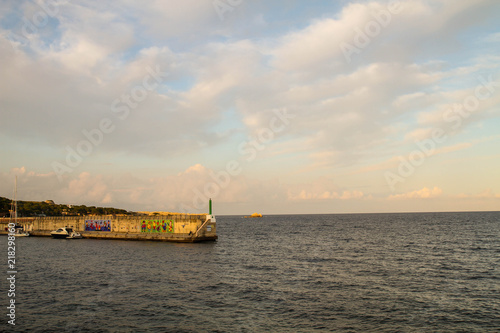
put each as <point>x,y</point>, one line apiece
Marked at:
<point>15,201</point>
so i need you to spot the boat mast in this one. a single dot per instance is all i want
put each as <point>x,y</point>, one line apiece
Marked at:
<point>15,201</point>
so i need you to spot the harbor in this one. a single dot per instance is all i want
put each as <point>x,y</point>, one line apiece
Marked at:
<point>175,227</point>
<point>168,227</point>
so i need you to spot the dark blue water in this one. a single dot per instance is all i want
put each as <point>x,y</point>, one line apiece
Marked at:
<point>435,272</point>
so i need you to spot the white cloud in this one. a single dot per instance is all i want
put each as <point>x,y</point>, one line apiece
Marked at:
<point>425,193</point>
<point>493,38</point>
<point>419,134</point>
<point>346,195</point>
<point>321,189</point>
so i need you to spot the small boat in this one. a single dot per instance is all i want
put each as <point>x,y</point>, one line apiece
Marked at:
<point>74,235</point>
<point>254,215</point>
<point>20,232</point>
<point>65,232</point>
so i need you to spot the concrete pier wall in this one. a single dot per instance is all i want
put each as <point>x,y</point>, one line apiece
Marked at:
<point>172,227</point>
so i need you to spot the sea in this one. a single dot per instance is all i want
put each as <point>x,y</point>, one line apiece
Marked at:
<point>411,272</point>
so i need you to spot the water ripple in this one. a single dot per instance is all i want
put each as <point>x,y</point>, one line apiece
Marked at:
<point>351,273</point>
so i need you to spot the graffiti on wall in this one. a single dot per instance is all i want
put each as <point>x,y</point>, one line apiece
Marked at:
<point>160,226</point>
<point>97,225</point>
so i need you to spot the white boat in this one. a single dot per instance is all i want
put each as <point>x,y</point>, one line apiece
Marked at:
<point>20,232</point>
<point>65,232</point>
<point>74,235</point>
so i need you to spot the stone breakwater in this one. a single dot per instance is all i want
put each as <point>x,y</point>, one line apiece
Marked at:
<point>175,227</point>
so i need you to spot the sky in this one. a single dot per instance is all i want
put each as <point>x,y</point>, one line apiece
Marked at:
<point>276,107</point>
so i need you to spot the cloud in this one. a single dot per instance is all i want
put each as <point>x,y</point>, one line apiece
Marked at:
<point>322,188</point>
<point>419,134</point>
<point>316,48</point>
<point>222,75</point>
<point>88,189</point>
<point>486,194</point>
<point>424,193</point>
<point>493,38</point>
<point>19,171</point>
<point>346,195</point>
<point>453,148</point>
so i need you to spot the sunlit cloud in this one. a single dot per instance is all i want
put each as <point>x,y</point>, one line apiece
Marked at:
<point>425,193</point>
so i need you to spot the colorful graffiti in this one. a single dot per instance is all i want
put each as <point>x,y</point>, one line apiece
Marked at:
<point>157,226</point>
<point>97,225</point>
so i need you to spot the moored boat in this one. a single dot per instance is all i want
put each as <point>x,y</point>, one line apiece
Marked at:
<point>74,235</point>
<point>20,232</point>
<point>65,232</point>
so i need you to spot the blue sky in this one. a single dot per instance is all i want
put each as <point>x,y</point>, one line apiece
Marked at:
<point>268,106</point>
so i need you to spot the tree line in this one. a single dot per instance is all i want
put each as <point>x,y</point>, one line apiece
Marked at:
<point>38,208</point>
